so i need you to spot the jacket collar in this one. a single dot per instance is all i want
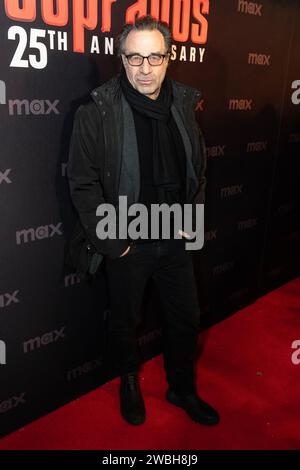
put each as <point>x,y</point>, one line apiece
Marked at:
<point>110,93</point>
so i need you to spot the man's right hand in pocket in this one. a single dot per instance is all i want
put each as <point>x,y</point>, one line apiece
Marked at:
<point>125,252</point>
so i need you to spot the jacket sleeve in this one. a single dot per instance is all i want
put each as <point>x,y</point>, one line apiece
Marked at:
<point>84,177</point>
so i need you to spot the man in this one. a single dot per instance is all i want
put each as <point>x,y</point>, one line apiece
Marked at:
<point>139,138</point>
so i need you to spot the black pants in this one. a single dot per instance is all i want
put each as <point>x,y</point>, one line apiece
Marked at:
<point>171,268</point>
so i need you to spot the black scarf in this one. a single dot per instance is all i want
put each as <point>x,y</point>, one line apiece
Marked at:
<point>167,146</point>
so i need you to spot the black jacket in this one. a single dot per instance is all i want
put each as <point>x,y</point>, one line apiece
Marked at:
<point>101,167</point>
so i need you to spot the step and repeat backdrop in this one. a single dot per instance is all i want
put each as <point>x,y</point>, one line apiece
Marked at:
<point>244,57</point>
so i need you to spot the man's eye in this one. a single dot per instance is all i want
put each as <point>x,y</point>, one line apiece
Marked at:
<point>155,56</point>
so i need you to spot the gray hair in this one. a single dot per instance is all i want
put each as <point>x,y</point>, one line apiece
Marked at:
<point>145,23</point>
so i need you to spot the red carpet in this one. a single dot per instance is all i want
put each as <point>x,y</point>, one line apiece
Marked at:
<point>245,371</point>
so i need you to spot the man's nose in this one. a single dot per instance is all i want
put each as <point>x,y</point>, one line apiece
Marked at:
<point>145,67</point>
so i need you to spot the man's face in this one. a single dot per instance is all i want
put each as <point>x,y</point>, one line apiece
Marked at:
<point>145,78</point>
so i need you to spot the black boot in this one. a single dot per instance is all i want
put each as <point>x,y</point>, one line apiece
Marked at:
<point>131,399</point>
<point>196,408</point>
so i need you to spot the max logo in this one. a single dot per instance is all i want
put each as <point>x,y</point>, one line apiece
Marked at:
<point>231,190</point>
<point>2,353</point>
<point>19,107</point>
<point>4,176</point>
<point>44,340</point>
<point>36,107</point>
<point>216,151</point>
<point>11,403</point>
<point>211,235</point>
<point>250,7</point>
<point>296,354</point>
<point>240,104</point>
<point>7,299</point>
<point>39,233</point>
<point>296,95</point>
<point>258,59</point>
<point>199,105</point>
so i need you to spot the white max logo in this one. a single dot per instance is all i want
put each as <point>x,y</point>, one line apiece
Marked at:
<point>7,299</point>
<point>44,340</point>
<point>33,234</point>
<point>84,369</point>
<point>4,176</point>
<point>296,354</point>
<point>2,353</point>
<point>250,7</point>
<point>11,403</point>
<point>24,106</point>
<point>32,107</point>
<point>296,95</point>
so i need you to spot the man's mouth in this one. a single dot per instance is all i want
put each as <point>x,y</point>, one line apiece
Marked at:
<point>145,82</point>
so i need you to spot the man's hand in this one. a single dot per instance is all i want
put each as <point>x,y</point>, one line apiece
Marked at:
<point>125,252</point>
<point>184,234</point>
